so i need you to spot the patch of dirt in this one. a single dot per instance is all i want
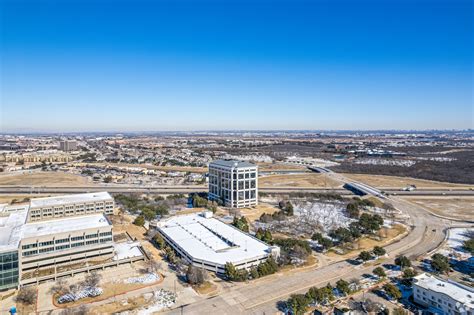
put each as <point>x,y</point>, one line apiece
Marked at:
<point>386,235</point>
<point>110,290</point>
<point>253,214</point>
<point>206,288</point>
<point>44,179</point>
<point>120,306</point>
<point>298,180</point>
<point>267,167</point>
<point>453,207</point>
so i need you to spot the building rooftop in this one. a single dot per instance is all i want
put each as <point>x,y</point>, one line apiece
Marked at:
<point>127,250</point>
<point>56,226</point>
<point>67,199</point>
<point>456,291</point>
<point>11,227</point>
<point>232,163</point>
<point>212,240</point>
<point>6,208</point>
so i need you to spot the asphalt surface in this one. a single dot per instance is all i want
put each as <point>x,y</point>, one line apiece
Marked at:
<point>4,189</point>
<point>262,296</point>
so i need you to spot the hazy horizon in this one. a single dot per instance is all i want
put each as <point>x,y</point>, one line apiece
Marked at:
<point>101,66</point>
<point>223,131</point>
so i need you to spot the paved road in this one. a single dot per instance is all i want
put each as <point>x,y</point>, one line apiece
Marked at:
<point>262,296</point>
<point>189,189</point>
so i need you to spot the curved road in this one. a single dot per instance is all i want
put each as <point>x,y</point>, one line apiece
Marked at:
<point>261,296</point>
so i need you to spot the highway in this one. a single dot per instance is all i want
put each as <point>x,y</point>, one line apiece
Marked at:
<point>17,189</point>
<point>261,296</point>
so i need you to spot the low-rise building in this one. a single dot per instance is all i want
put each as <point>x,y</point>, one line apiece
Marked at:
<point>209,243</point>
<point>70,205</point>
<point>443,296</point>
<point>47,246</point>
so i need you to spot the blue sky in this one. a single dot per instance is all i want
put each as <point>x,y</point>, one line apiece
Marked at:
<point>200,65</point>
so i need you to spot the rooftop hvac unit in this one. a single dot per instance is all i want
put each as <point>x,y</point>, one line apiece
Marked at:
<point>207,214</point>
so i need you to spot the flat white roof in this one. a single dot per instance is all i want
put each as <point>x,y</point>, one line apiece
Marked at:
<point>456,291</point>
<point>127,250</point>
<point>67,199</point>
<point>11,227</point>
<point>232,163</point>
<point>40,228</point>
<point>6,208</point>
<point>212,240</point>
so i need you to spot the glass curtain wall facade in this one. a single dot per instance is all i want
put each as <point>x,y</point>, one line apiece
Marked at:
<point>8,270</point>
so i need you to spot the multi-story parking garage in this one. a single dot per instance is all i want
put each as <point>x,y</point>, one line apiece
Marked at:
<point>209,243</point>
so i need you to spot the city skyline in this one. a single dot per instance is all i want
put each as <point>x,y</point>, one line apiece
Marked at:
<point>206,65</point>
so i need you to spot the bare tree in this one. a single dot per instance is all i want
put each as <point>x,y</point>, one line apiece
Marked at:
<point>181,266</point>
<point>234,212</point>
<point>122,215</point>
<point>299,252</point>
<point>92,279</point>
<point>150,234</point>
<point>60,287</point>
<point>372,307</point>
<point>196,275</point>
<point>153,266</point>
<point>81,310</point>
<point>27,296</point>
<point>73,288</point>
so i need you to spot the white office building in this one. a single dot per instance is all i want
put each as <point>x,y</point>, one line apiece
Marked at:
<point>235,183</point>
<point>209,243</point>
<point>58,236</point>
<point>443,296</point>
<point>70,205</point>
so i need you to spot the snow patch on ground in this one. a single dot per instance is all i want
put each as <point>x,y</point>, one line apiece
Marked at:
<point>453,248</point>
<point>454,244</point>
<point>81,294</point>
<point>162,299</point>
<point>328,215</point>
<point>148,278</point>
<point>388,162</point>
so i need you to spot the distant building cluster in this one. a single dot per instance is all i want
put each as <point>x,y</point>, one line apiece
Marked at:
<point>67,145</point>
<point>49,156</point>
<point>55,236</point>
<point>235,183</point>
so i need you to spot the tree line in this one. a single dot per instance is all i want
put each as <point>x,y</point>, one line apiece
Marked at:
<point>366,224</point>
<point>264,268</point>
